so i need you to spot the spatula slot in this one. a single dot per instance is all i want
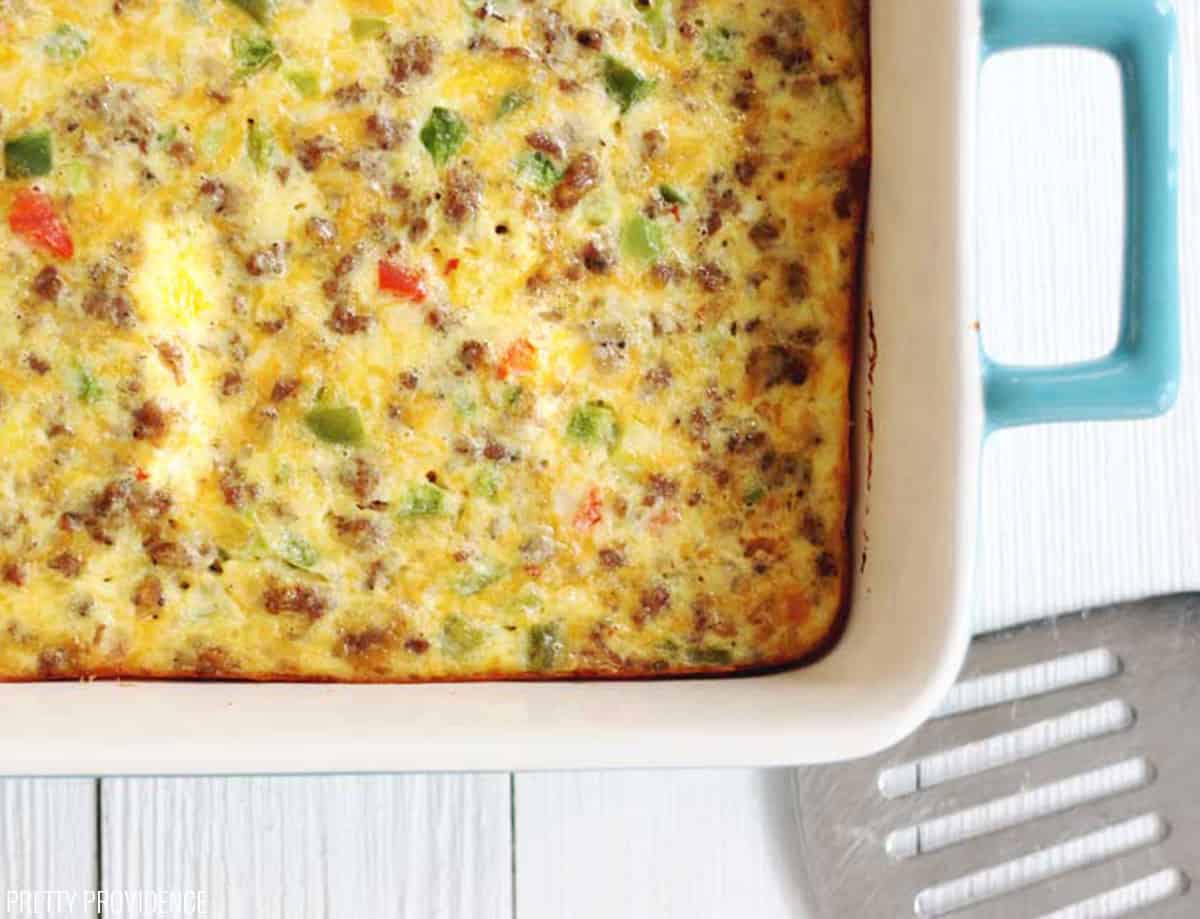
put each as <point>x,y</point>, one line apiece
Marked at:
<point>1002,749</point>
<point>1022,807</point>
<point>1080,852</point>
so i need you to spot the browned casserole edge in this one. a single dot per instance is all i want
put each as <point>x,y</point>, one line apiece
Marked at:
<point>859,187</point>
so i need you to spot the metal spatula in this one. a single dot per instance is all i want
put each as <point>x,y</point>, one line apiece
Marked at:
<point>1060,778</point>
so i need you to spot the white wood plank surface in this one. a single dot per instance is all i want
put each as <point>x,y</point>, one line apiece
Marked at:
<point>414,846</point>
<point>47,843</point>
<point>703,843</point>
<point>654,845</point>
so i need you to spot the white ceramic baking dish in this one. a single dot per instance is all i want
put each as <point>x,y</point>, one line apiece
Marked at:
<point>913,527</point>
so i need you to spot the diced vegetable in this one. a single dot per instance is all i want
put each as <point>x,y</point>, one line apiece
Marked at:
<point>657,16</point>
<point>595,423</point>
<point>473,7</point>
<point>78,177</point>
<point>256,544</point>
<point>720,44</point>
<point>538,171</point>
<point>34,218</point>
<point>672,195</point>
<point>754,494</point>
<point>591,511</point>
<point>512,395</point>
<point>363,28</point>
<point>196,9</point>
<point>65,43</point>
<point>259,145</point>
<point>258,10</point>
<point>296,551</point>
<point>524,603</point>
<point>483,573</point>
<point>511,101</point>
<point>87,387</point>
<point>544,645</point>
<point>642,238</point>
<point>253,53</point>
<point>709,654</point>
<point>422,500</point>
<point>401,281</point>
<point>305,82</point>
<point>464,404</point>
<point>520,357</point>
<point>28,156</point>
<point>460,637</point>
<point>487,483</point>
<point>443,134</point>
<point>625,85</point>
<point>341,424</point>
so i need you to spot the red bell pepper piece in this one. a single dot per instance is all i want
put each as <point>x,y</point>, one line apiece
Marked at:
<point>521,357</point>
<point>34,218</point>
<point>404,282</point>
<point>591,511</point>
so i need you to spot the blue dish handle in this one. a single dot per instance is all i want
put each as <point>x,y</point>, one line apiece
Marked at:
<point>1140,376</point>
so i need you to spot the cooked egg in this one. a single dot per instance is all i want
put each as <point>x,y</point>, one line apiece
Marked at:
<point>384,341</point>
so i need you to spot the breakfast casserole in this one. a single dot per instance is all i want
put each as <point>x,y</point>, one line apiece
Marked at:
<point>383,340</point>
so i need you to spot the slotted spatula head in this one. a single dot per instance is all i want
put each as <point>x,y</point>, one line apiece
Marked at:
<point>1060,778</point>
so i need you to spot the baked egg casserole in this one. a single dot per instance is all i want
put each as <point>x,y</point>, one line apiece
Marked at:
<point>466,339</point>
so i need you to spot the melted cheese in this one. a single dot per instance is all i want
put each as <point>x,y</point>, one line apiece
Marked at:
<point>610,436</point>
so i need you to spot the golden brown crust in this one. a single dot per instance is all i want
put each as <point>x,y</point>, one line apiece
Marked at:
<point>787,662</point>
<point>517,396</point>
